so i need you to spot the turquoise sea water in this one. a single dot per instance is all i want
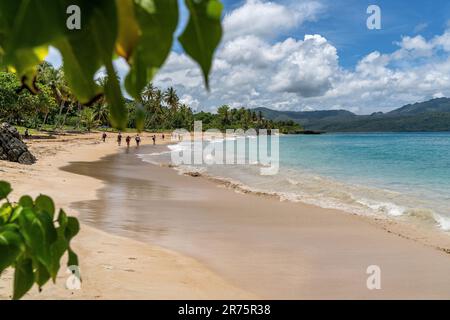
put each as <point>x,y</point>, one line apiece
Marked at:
<point>403,175</point>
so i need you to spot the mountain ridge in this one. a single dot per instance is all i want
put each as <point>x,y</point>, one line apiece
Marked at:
<point>431,115</point>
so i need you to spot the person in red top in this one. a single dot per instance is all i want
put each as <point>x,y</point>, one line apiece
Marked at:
<point>128,140</point>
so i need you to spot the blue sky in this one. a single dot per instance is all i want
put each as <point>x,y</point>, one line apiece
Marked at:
<point>344,25</point>
<point>318,54</point>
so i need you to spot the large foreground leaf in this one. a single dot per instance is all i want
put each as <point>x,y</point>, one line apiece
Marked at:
<point>27,27</point>
<point>11,247</point>
<point>129,31</point>
<point>157,21</point>
<point>39,233</point>
<point>31,23</point>
<point>203,32</point>
<point>23,278</point>
<point>45,204</point>
<point>5,189</point>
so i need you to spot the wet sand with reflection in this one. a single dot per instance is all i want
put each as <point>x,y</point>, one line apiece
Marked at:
<point>270,248</point>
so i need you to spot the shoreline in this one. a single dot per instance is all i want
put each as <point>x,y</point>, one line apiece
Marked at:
<point>112,267</point>
<point>117,267</point>
<point>408,227</point>
<point>428,235</point>
<point>291,251</point>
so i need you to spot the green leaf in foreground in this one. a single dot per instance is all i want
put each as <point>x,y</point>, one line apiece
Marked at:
<point>39,233</point>
<point>33,243</point>
<point>129,31</point>
<point>23,44</point>
<point>157,22</point>
<point>41,275</point>
<point>26,202</point>
<point>45,204</point>
<point>104,31</point>
<point>5,189</point>
<point>203,32</point>
<point>31,23</point>
<point>140,117</point>
<point>11,246</point>
<point>67,229</point>
<point>24,62</point>
<point>23,278</point>
<point>5,213</point>
<point>118,115</point>
<point>84,51</point>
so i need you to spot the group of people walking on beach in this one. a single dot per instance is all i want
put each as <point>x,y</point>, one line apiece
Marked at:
<point>137,138</point>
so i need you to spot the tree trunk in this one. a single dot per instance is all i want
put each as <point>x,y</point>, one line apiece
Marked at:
<point>61,107</point>
<point>45,120</point>
<point>65,117</point>
<point>79,116</point>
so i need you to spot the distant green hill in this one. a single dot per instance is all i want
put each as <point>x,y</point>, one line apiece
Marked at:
<point>432,115</point>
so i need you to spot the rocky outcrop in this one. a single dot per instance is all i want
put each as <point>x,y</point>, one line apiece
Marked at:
<point>12,148</point>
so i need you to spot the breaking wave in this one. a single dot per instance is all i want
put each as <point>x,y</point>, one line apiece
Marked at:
<point>297,185</point>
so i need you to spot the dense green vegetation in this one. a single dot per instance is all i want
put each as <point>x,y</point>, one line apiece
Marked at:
<point>242,118</point>
<point>55,107</point>
<point>432,115</point>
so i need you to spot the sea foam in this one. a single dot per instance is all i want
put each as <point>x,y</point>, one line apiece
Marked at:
<point>300,183</point>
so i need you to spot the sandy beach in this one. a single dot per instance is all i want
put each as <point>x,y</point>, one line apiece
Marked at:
<point>150,233</point>
<point>112,267</point>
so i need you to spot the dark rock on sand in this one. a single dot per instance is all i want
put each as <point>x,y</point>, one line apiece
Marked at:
<point>12,148</point>
<point>193,174</point>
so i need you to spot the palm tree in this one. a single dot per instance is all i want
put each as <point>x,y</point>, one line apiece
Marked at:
<point>45,100</point>
<point>102,112</point>
<point>233,115</point>
<point>63,96</point>
<point>260,116</point>
<point>224,116</point>
<point>254,116</point>
<point>89,119</point>
<point>171,98</point>
<point>148,93</point>
<point>158,98</point>
<point>151,99</point>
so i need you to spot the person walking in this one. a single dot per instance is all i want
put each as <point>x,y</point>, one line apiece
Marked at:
<point>128,140</point>
<point>119,139</point>
<point>138,140</point>
<point>104,135</point>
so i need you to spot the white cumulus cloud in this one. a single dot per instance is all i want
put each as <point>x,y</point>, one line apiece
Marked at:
<point>269,18</point>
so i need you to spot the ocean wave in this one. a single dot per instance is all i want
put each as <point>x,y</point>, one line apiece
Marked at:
<point>295,185</point>
<point>329,199</point>
<point>444,222</point>
<point>190,170</point>
<point>182,146</point>
<point>388,208</point>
